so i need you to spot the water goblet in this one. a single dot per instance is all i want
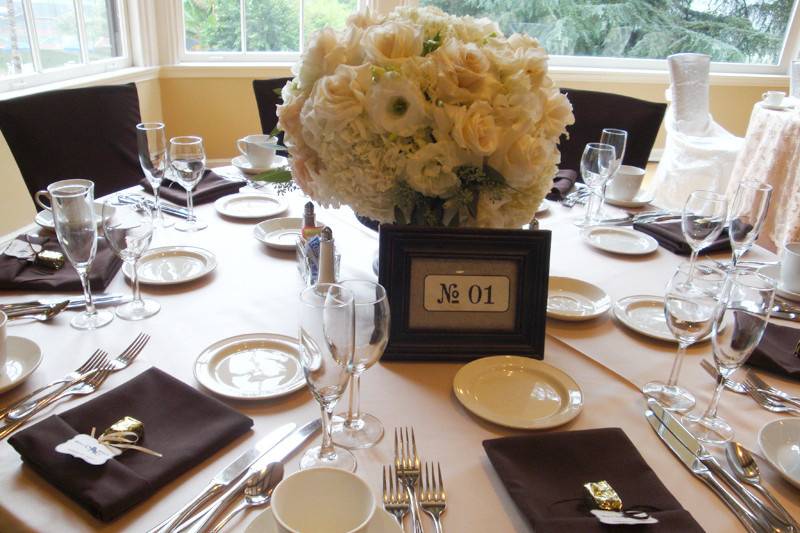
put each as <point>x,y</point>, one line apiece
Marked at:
<point>76,229</point>
<point>356,429</point>
<point>188,162</point>
<point>739,323</point>
<point>618,139</point>
<point>746,216</point>
<point>326,354</point>
<point>128,228</point>
<point>596,164</point>
<point>151,140</point>
<point>702,220</point>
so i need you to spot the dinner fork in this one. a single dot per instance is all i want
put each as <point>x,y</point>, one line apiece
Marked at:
<point>395,499</point>
<point>771,405</point>
<point>407,466</point>
<point>766,398</point>
<point>752,379</point>
<point>432,496</point>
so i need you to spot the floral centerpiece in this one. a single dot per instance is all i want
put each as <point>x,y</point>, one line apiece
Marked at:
<point>426,118</point>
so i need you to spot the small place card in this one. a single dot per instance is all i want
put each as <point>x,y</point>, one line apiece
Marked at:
<point>88,448</point>
<point>623,518</point>
<point>484,294</point>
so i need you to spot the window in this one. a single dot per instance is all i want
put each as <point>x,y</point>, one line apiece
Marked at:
<point>43,41</point>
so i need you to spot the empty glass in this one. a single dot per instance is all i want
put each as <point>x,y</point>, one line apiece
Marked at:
<point>746,216</point>
<point>597,162</point>
<point>326,355</point>
<point>76,229</point>
<point>618,139</point>
<point>739,322</point>
<point>702,221</point>
<point>355,429</point>
<point>129,229</point>
<point>689,305</point>
<point>188,161</point>
<point>151,139</point>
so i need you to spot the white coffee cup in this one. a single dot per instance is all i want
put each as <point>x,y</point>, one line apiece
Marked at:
<point>626,183</point>
<point>790,268</point>
<point>773,97</point>
<point>3,344</point>
<point>38,196</point>
<point>322,500</point>
<point>255,148</point>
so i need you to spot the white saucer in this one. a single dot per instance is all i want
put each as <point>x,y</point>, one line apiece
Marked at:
<point>779,441</point>
<point>544,207</point>
<point>623,241</point>
<point>171,265</point>
<point>251,367</point>
<point>774,273</point>
<point>244,165</point>
<point>24,357</point>
<point>251,205</point>
<point>575,300</point>
<point>641,199</point>
<point>280,233</point>
<point>382,522</point>
<point>782,107</point>
<point>518,392</point>
<point>44,218</point>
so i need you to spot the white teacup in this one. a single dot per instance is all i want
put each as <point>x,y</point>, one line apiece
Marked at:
<point>39,195</point>
<point>255,148</point>
<point>790,268</point>
<point>773,97</point>
<point>322,500</point>
<point>3,344</point>
<point>626,183</point>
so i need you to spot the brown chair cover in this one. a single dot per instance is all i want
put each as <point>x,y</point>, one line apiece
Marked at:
<point>267,99</point>
<point>87,133</point>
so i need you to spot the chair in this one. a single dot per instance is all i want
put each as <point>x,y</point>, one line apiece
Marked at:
<point>75,133</point>
<point>267,99</point>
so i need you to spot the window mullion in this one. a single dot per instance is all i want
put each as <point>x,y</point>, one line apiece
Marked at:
<point>302,25</point>
<point>33,39</point>
<point>81,31</point>
<point>243,24</point>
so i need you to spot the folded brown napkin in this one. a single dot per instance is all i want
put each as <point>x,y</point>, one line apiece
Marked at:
<point>670,236</point>
<point>776,351</point>
<point>19,274</point>
<point>562,183</point>
<point>211,187</point>
<point>545,474</point>
<point>179,422</point>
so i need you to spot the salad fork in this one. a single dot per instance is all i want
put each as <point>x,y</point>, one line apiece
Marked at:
<point>756,382</point>
<point>395,499</point>
<point>432,495</point>
<point>406,463</point>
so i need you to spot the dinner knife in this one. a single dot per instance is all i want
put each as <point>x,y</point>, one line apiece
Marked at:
<point>277,454</point>
<point>73,303</point>
<point>226,476</point>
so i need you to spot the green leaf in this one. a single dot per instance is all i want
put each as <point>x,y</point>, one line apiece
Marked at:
<point>275,131</point>
<point>278,90</point>
<point>399,216</point>
<point>275,175</point>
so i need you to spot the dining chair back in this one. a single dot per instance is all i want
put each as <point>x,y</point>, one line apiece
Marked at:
<point>268,98</point>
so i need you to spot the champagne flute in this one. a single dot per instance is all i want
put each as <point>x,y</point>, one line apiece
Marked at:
<point>740,319</point>
<point>596,164</point>
<point>702,220</point>
<point>326,354</point>
<point>129,229</point>
<point>152,143</point>
<point>188,161</point>
<point>746,217</point>
<point>356,429</point>
<point>76,229</point>
<point>619,140</point>
<point>689,306</point>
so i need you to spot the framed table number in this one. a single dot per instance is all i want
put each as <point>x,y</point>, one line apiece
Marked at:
<point>463,293</point>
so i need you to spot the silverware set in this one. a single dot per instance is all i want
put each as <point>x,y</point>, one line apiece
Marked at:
<point>43,310</point>
<point>170,209</point>
<point>761,392</point>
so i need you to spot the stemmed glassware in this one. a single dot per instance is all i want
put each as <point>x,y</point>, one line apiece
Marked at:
<point>151,140</point>
<point>746,216</point>
<point>76,229</point>
<point>702,221</point>
<point>129,229</point>
<point>597,162</point>
<point>356,429</point>
<point>619,140</point>
<point>188,161</point>
<point>689,306</point>
<point>326,355</point>
<point>740,319</point>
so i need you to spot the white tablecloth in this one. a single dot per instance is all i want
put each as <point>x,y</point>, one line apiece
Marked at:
<point>254,289</point>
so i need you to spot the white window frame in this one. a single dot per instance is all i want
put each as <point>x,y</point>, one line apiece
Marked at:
<point>53,75</point>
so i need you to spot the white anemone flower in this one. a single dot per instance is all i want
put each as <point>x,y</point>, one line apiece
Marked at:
<point>395,104</point>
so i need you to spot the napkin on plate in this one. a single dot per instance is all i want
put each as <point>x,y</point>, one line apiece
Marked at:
<point>670,236</point>
<point>179,422</point>
<point>19,274</point>
<point>776,351</point>
<point>562,183</point>
<point>545,473</point>
<point>211,187</point>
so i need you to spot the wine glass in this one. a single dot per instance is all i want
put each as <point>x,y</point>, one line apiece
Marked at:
<point>188,161</point>
<point>356,429</point>
<point>596,164</point>
<point>326,354</point>
<point>151,140</point>
<point>618,139</point>
<point>76,229</point>
<point>702,221</point>
<point>746,217</point>
<point>129,229</point>
<point>689,306</point>
<point>740,319</point>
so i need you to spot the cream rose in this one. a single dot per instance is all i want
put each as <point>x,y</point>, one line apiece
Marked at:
<point>474,128</point>
<point>323,54</point>
<point>557,113</point>
<point>391,42</point>
<point>521,159</point>
<point>339,98</point>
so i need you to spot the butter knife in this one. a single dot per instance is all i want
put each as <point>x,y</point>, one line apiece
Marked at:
<point>226,476</point>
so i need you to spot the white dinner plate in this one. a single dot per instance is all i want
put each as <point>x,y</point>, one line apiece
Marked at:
<point>280,233</point>
<point>575,300</point>
<point>641,199</point>
<point>251,205</point>
<point>774,273</point>
<point>779,440</point>
<point>251,367</point>
<point>244,165</point>
<point>23,358</point>
<point>382,522</point>
<point>623,241</point>
<point>518,392</point>
<point>172,265</point>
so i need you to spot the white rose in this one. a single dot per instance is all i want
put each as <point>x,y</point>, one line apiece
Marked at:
<point>522,159</point>
<point>339,98</point>
<point>474,128</point>
<point>429,170</point>
<point>362,19</point>
<point>464,73</point>
<point>391,42</point>
<point>395,104</point>
<point>557,113</point>
<point>322,55</point>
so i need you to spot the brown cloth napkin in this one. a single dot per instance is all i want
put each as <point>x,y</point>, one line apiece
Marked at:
<point>670,236</point>
<point>179,422</point>
<point>545,474</point>
<point>18,274</point>
<point>562,183</point>
<point>776,351</point>
<point>211,187</point>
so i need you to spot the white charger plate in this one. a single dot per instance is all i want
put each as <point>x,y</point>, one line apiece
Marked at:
<point>575,300</point>
<point>382,522</point>
<point>774,273</point>
<point>23,358</point>
<point>251,205</point>
<point>256,366</point>
<point>641,199</point>
<point>779,441</point>
<point>518,392</point>
<point>172,265</point>
<point>623,241</point>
